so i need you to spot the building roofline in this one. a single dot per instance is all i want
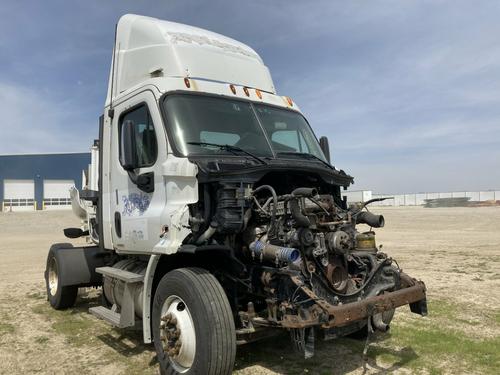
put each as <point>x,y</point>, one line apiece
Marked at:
<point>46,153</point>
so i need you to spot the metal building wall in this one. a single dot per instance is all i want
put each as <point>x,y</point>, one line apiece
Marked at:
<point>418,199</point>
<point>43,166</point>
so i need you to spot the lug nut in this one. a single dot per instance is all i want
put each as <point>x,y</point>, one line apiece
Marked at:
<point>167,317</point>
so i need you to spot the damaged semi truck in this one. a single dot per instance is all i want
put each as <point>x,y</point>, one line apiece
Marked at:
<point>213,214</point>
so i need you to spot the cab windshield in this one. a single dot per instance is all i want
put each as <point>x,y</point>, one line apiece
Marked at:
<point>199,124</point>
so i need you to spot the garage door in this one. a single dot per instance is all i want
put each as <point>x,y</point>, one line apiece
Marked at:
<point>56,194</point>
<point>18,195</point>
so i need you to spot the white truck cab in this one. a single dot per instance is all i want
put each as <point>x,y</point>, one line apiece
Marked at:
<point>216,218</point>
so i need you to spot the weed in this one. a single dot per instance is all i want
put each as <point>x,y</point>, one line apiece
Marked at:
<point>469,322</point>
<point>496,317</point>
<point>433,344</point>
<point>41,339</point>
<point>457,270</point>
<point>35,295</point>
<point>6,328</point>
<point>77,329</point>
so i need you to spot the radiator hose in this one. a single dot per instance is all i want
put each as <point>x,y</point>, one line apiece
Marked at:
<point>301,219</point>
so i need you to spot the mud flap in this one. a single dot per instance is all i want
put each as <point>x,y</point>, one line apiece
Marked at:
<point>303,341</point>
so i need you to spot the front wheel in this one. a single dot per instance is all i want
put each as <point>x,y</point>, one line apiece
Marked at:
<point>193,326</point>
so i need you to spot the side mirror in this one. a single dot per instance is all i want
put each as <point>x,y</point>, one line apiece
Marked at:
<point>128,153</point>
<point>325,147</point>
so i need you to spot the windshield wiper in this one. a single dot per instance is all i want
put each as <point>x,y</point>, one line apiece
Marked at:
<point>232,149</point>
<point>307,155</point>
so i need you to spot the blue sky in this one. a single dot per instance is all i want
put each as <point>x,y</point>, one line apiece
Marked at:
<point>407,91</point>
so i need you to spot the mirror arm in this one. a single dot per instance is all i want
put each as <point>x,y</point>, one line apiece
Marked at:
<point>132,175</point>
<point>144,181</point>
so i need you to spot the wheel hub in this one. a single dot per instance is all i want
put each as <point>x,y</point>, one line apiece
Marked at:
<point>177,334</point>
<point>52,277</point>
<point>170,335</point>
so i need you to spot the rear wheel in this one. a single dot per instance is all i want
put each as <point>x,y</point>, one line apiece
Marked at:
<point>193,326</point>
<point>60,297</point>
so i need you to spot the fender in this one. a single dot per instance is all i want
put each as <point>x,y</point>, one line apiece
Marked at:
<point>185,256</point>
<point>146,297</point>
<point>79,264</point>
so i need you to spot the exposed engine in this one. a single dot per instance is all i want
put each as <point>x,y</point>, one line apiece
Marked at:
<point>310,233</point>
<point>306,264</point>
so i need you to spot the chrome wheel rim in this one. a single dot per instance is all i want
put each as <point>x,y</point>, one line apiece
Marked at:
<point>53,278</point>
<point>177,333</point>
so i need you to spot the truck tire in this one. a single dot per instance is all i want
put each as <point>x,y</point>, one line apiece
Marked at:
<point>193,326</point>
<point>60,297</point>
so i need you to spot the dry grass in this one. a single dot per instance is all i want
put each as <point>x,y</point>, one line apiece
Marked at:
<point>456,251</point>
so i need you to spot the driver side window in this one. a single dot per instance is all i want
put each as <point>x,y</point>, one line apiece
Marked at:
<point>146,147</point>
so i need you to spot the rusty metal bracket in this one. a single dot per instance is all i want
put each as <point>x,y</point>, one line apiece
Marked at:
<point>349,312</point>
<point>341,315</point>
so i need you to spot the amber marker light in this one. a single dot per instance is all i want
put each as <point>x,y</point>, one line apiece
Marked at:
<point>259,94</point>
<point>289,100</point>
<point>233,89</point>
<point>187,83</point>
<point>245,90</point>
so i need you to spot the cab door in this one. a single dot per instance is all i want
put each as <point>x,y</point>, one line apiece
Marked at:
<point>137,195</point>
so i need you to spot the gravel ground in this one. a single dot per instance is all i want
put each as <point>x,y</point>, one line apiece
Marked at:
<point>456,251</point>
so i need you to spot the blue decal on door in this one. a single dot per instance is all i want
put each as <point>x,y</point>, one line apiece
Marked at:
<point>135,203</point>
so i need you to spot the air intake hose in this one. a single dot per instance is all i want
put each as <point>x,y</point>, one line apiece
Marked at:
<point>273,252</point>
<point>365,217</point>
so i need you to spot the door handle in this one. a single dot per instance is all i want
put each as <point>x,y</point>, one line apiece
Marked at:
<point>118,224</point>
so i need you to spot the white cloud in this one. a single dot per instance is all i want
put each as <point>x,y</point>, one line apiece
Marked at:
<point>408,91</point>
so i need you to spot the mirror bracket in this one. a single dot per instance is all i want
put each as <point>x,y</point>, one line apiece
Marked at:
<point>144,181</point>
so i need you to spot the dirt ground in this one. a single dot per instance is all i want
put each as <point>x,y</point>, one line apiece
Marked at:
<point>456,251</point>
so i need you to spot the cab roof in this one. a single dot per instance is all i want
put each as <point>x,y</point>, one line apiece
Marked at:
<point>151,48</point>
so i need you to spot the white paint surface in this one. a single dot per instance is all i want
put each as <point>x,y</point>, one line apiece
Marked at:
<point>148,47</point>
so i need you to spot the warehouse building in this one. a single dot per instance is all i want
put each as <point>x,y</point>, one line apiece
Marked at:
<point>40,181</point>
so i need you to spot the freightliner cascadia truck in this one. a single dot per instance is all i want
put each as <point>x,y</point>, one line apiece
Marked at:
<point>213,214</point>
